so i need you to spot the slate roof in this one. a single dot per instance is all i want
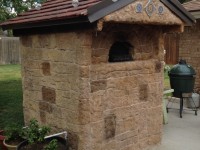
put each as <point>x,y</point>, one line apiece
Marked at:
<point>193,5</point>
<point>57,12</point>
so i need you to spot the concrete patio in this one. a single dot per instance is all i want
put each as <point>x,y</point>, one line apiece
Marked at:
<point>181,133</point>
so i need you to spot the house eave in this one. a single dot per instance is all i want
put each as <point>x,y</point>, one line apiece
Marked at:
<point>47,23</point>
<point>180,11</point>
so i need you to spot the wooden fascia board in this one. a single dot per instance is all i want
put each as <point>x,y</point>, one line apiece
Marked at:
<point>46,23</point>
<point>104,8</point>
<point>54,29</point>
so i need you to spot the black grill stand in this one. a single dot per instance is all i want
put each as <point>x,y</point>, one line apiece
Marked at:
<point>181,104</point>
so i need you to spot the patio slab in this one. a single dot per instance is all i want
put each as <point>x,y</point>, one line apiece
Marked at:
<point>181,133</point>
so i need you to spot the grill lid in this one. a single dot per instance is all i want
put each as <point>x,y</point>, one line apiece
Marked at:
<point>182,69</point>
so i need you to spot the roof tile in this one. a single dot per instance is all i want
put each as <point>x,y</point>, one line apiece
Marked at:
<point>193,5</point>
<point>53,10</point>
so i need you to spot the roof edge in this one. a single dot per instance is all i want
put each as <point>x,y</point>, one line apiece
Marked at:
<point>46,23</point>
<point>178,9</point>
<point>96,12</point>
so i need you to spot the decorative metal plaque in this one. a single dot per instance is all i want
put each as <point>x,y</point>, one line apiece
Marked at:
<point>139,8</point>
<point>150,8</point>
<point>160,10</point>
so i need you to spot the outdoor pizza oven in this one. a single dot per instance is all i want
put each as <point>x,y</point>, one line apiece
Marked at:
<point>94,69</point>
<point>120,51</point>
<point>182,78</point>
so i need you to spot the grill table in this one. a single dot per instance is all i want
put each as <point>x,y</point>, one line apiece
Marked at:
<point>182,97</point>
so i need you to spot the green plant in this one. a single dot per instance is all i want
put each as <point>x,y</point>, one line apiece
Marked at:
<point>35,133</point>
<point>11,108</point>
<point>166,68</point>
<point>53,145</point>
<point>14,134</point>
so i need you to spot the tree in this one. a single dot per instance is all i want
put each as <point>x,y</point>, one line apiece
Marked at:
<point>11,8</point>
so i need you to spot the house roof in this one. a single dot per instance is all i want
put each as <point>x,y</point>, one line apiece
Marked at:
<point>50,11</point>
<point>193,5</point>
<point>58,12</point>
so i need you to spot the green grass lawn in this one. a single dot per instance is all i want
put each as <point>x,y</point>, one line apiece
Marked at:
<point>11,110</point>
<point>166,81</point>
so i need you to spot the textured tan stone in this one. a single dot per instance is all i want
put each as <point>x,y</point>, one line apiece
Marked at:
<point>110,126</point>
<point>128,14</point>
<point>154,139</point>
<point>46,68</point>
<point>98,85</point>
<point>26,41</point>
<point>84,72</point>
<point>103,106</point>
<point>72,140</point>
<point>43,116</point>
<point>48,94</point>
<point>44,106</point>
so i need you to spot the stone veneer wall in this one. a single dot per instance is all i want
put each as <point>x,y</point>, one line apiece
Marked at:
<point>69,84</point>
<point>189,49</point>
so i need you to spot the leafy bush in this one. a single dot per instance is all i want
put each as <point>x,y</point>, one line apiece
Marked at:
<point>14,134</point>
<point>35,133</point>
<point>53,145</point>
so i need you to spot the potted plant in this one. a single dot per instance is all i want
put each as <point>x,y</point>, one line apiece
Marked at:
<point>2,137</point>
<point>35,139</point>
<point>13,136</point>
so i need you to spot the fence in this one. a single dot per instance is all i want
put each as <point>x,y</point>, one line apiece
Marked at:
<point>9,50</point>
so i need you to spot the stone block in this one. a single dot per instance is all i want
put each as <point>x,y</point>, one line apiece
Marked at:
<point>129,141</point>
<point>72,140</point>
<point>126,125</point>
<point>84,72</point>
<point>43,116</point>
<point>125,135</point>
<point>83,55</point>
<point>98,85</point>
<point>83,88</point>
<point>110,145</point>
<point>44,106</point>
<point>71,116</point>
<point>26,41</point>
<point>158,66</point>
<point>143,92</point>
<point>155,139</point>
<point>154,126</point>
<point>110,126</point>
<point>46,68</point>
<point>131,147</point>
<point>97,131</point>
<point>64,40</point>
<point>31,104</point>
<point>97,104</point>
<point>46,41</point>
<point>48,94</point>
<point>84,112</point>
